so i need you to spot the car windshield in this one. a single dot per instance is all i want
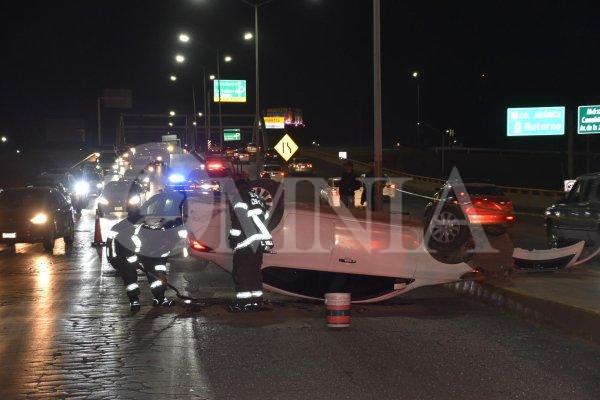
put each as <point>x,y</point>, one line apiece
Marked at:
<point>27,199</point>
<point>164,205</point>
<point>483,190</point>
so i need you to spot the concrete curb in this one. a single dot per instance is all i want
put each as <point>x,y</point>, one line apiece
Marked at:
<point>572,320</point>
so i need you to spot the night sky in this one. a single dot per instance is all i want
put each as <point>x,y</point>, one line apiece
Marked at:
<point>475,59</point>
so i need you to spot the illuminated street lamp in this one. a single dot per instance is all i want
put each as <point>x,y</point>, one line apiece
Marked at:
<point>173,78</point>
<point>200,114</point>
<point>4,139</point>
<point>228,59</point>
<point>248,36</point>
<point>212,77</point>
<point>183,37</point>
<point>179,58</point>
<point>415,74</point>
<point>170,124</point>
<point>172,113</point>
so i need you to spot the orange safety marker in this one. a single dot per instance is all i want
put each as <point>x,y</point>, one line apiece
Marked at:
<point>337,307</point>
<point>97,232</point>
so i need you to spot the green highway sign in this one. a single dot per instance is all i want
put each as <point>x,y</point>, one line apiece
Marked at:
<point>535,121</point>
<point>232,135</point>
<point>588,120</point>
<point>229,91</point>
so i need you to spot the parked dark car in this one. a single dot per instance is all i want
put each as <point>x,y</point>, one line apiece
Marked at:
<point>483,203</point>
<point>35,215</point>
<point>576,217</point>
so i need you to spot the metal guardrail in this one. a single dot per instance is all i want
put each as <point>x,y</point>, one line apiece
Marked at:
<point>545,193</point>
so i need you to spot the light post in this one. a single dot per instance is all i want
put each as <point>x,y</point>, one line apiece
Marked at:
<point>377,114</point>
<point>416,76</point>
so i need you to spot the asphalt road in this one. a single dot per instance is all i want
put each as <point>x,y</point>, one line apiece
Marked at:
<point>66,332</point>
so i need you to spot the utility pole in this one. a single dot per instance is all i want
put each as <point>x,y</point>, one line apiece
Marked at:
<point>219,90</point>
<point>377,131</point>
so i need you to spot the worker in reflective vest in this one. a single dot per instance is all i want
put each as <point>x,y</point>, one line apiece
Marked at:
<point>249,238</point>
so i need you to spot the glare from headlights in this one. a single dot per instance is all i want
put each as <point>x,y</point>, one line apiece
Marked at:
<point>39,218</point>
<point>102,200</point>
<point>151,168</point>
<point>147,179</point>
<point>159,158</point>
<point>82,187</point>
<point>170,148</point>
<point>182,233</point>
<point>176,178</point>
<point>99,185</point>
<point>134,200</point>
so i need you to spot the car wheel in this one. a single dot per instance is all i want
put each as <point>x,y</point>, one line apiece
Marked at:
<point>49,242</point>
<point>70,237</point>
<point>267,190</point>
<point>447,230</point>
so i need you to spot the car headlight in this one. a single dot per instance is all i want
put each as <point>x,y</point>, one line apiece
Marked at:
<point>134,200</point>
<point>176,178</point>
<point>102,200</point>
<point>39,218</point>
<point>159,158</point>
<point>147,179</point>
<point>151,168</point>
<point>82,187</point>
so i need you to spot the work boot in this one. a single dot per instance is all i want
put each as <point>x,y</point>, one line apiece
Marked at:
<point>134,304</point>
<point>164,302</point>
<point>242,306</point>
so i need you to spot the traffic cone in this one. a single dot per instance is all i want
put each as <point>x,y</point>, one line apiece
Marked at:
<point>97,232</point>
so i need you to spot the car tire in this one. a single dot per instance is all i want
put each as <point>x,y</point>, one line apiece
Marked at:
<point>267,190</point>
<point>70,237</point>
<point>49,242</point>
<point>448,231</point>
<point>494,230</point>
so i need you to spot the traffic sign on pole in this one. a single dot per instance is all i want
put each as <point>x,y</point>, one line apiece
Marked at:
<point>588,120</point>
<point>229,91</point>
<point>286,147</point>
<point>535,121</point>
<point>232,135</point>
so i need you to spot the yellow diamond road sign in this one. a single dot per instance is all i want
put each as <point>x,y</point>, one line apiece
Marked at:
<point>286,147</point>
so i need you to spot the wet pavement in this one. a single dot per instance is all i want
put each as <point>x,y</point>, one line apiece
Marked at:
<point>66,332</point>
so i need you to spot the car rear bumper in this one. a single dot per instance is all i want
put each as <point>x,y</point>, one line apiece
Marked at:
<point>21,235</point>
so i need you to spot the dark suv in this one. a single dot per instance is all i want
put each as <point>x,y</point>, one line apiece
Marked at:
<point>576,217</point>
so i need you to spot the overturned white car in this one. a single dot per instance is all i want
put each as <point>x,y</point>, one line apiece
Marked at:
<point>318,250</point>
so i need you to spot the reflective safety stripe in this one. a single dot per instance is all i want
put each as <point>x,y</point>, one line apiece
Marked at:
<point>137,229</point>
<point>132,259</point>
<point>241,205</point>
<point>257,293</point>
<point>155,284</point>
<point>257,237</point>
<point>266,215</point>
<point>112,234</point>
<point>160,268</point>
<point>243,295</point>
<point>136,240</point>
<point>235,232</point>
<point>256,211</point>
<point>166,254</point>
<point>132,287</point>
<point>185,252</point>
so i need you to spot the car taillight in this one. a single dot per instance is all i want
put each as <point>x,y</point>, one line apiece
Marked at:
<point>309,165</point>
<point>213,166</point>
<point>197,245</point>
<point>391,185</point>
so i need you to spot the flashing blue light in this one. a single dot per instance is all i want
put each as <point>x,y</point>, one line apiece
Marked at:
<point>176,178</point>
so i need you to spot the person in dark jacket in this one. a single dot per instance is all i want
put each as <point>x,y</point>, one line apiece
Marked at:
<point>348,185</point>
<point>249,238</point>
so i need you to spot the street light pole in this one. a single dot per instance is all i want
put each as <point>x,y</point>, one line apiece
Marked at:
<point>219,96</point>
<point>377,126</point>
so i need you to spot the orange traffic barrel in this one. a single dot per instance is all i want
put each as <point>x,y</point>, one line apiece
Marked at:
<point>337,307</point>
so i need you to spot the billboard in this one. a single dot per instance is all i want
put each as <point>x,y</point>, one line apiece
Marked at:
<point>291,116</point>
<point>588,120</point>
<point>232,135</point>
<point>229,91</point>
<point>275,122</point>
<point>535,121</point>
